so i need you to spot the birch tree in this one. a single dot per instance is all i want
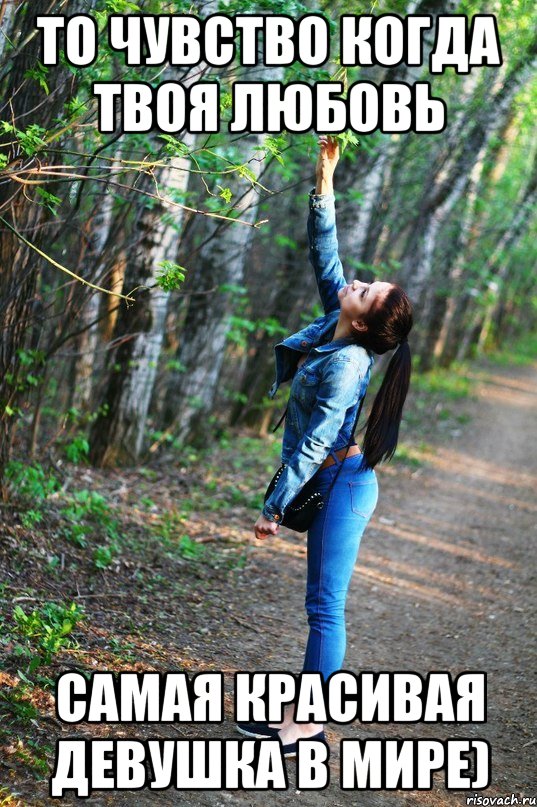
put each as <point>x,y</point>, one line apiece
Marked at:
<point>221,267</point>
<point>499,263</point>
<point>362,224</point>
<point>118,433</point>
<point>451,184</point>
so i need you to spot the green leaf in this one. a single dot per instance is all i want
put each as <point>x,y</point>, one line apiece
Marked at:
<point>225,193</point>
<point>347,138</point>
<point>246,172</point>
<point>274,145</point>
<point>24,678</point>
<point>49,201</point>
<point>233,287</point>
<point>174,146</point>
<point>171,275</point>
<point>39,73</point>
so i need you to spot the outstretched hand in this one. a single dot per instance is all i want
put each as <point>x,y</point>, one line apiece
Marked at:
<point>263,527</point>
<point>328,156</point>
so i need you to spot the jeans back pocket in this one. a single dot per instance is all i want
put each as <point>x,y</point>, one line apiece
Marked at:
<point>364,496</point>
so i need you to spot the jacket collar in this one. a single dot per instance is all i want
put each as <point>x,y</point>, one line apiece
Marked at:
<point>334,345</point>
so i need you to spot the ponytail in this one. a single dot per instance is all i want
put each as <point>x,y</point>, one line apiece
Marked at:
<point>382,431</point>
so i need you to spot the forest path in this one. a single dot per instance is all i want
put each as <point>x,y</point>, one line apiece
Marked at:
<point>445,580</point>
<point>443,583</point>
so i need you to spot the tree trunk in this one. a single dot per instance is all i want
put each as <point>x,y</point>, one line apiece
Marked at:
<point>98,228</point>
<point>446,191</point>
<point>18,261</point>
<point>457,299</point>
<point>525,209</point>
<point>221,262</point>
<point>117,435</point>
<point>191,393</point>
<point>361,227</point>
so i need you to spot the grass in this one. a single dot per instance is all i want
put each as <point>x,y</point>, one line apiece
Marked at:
<point>45,630</point>
<point>452,384</point>
<point>160,548</point>
<point>520,352</point>
<point>19,716</point>
<point>411,455</point>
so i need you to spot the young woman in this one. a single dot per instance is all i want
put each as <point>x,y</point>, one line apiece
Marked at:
<point>330,363</point>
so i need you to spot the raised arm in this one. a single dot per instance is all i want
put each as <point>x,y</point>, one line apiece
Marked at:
<point>322,234</point>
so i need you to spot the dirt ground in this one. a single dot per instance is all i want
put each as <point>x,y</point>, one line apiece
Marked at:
<point>445,581</point>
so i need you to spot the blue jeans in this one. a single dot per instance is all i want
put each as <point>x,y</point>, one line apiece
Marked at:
<point>333,542</point>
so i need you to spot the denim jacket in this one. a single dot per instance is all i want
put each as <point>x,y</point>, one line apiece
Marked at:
<point>327,388</point>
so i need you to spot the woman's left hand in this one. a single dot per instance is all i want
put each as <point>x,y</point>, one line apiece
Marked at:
<point>264,527</point>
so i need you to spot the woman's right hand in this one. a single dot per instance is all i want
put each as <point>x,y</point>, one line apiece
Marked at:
<point>328,156</point>
<point>263,527</point>
<point>326,164</point>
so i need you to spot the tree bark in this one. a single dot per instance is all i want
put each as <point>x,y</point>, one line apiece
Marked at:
<point>499,263</point>
<point>18,261</point>
<point>117,435</point>
<point>191,393</point>
<point>450,327</point>
<point>447,190</point>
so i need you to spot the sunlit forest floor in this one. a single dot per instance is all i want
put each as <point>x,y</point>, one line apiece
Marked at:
<point>165,574</point>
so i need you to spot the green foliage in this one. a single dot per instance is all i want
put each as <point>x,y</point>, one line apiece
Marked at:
<point>171,276</point>
<point>175,365</point>
<point>174,147</point>
<point>189,549</point>
<point>77,450</point>
<point>30,480</point>
<point>236,397</point>
<point>226,102</point>
<point>347,139</point>
<point>221,170</point>
<point>271,326</point>
<point>39,73</point>
<point>76,533</point>
<point>233,288</point>
<point>122,7</point>
<point>23,710</point>
<point>47,629</point>
<point>170,531</point>
<point>225,193</point>
<point>26,376</point>
<point>410,455</point>
<point>103,557</point>
<point>283,240</point>
<point>315,311</point>
<point>239,329</point>
<point>48,200</point>
<point>31,140</point>
<point>519,352</point>
<point>274,144</point>
<point>453,383</point>
<point>30,518</point>
<point>87,513</point>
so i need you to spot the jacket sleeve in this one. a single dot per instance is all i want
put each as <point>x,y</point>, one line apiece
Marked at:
<point>338,391</point>
<point>323,248</point>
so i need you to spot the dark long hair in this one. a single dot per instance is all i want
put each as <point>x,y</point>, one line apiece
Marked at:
<point>388,326</point>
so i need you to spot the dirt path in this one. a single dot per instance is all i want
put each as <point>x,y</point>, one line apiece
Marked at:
<point>445,581</point>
